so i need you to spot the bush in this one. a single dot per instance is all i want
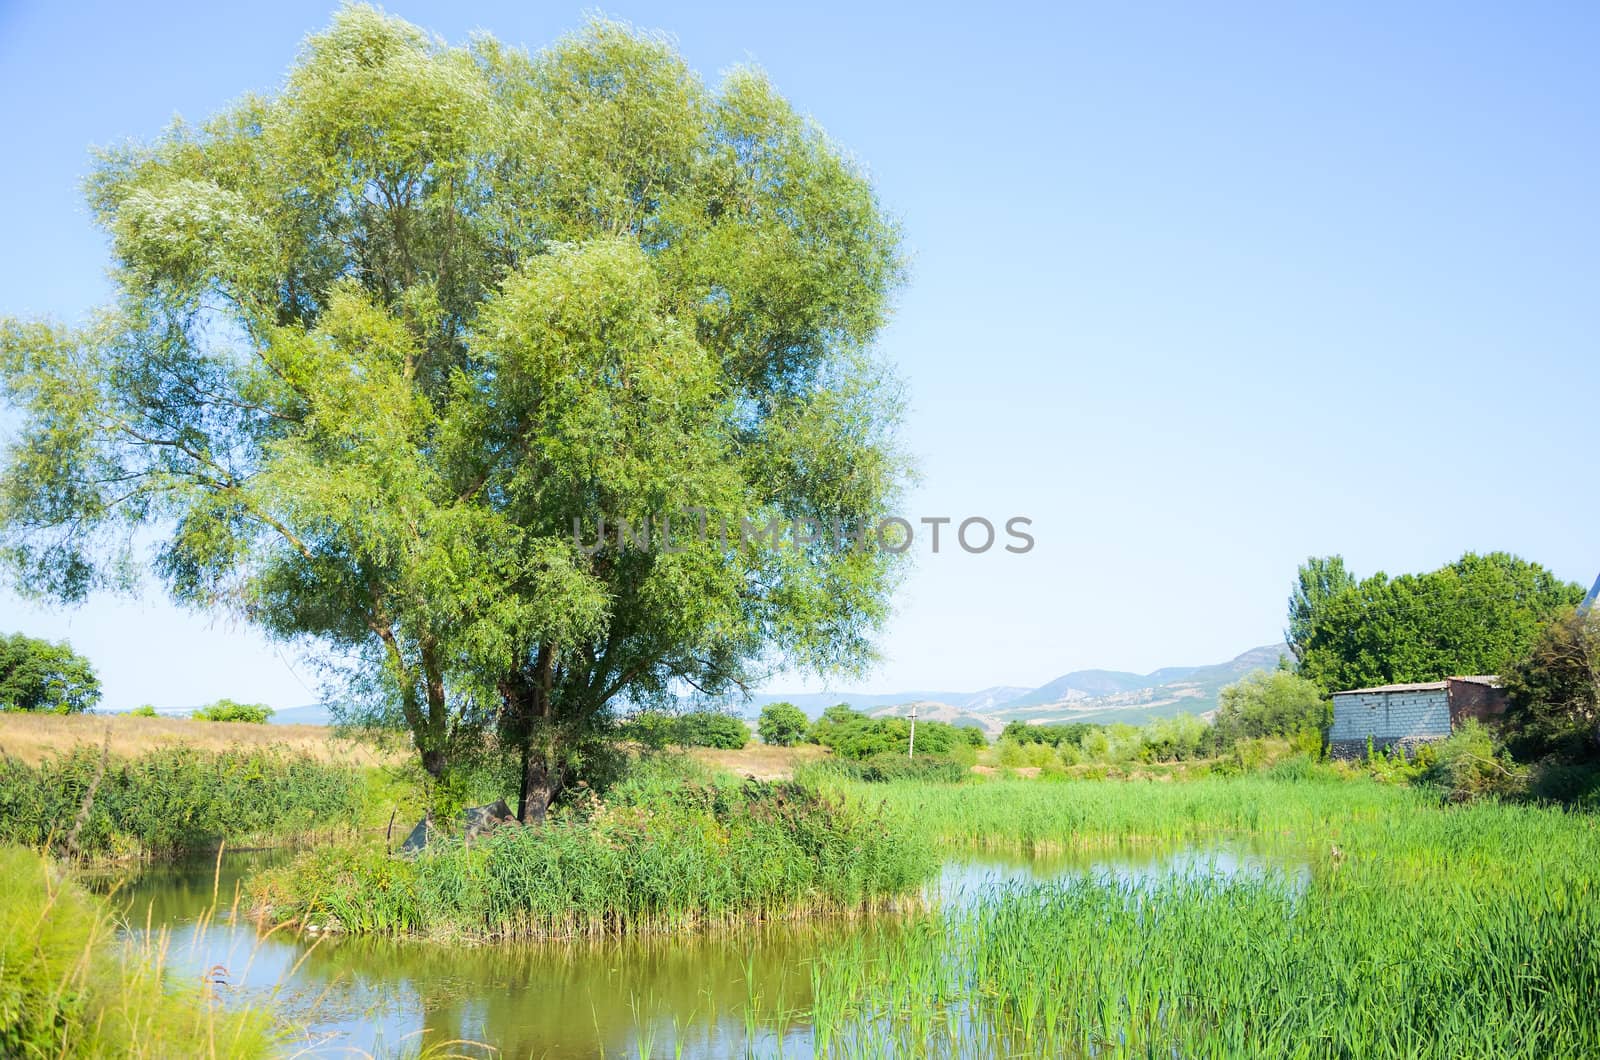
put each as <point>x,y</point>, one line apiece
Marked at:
<point>852,734</point>
<point>1470,765</point>
<point>146,711</point>
<point>653,729</point>
<point>228,710</point>
<point>782,724</point>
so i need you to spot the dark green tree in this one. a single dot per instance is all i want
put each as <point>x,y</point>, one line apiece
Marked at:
<point>1555,691</point>
<point>49,678</point>
<point>782,724</point>
<point>1473,616</point>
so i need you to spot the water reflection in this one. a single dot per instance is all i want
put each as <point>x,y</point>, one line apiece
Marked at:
<point>692,995</point>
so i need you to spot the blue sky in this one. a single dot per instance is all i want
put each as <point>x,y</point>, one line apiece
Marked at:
<point>1201,292</point>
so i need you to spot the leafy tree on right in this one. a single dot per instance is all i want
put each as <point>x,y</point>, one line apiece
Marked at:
<point>1474,616</point>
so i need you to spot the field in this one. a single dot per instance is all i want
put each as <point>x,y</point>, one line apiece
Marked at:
<point>33,737</point>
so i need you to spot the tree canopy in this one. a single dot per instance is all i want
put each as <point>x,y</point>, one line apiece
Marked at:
<point>782,724</point>
<point>1555,691</point>
<point>1473,616</point>
<point>385,339</point>
<point>40,676</point>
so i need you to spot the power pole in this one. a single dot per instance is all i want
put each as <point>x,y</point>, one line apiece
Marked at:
<point>911,748</point>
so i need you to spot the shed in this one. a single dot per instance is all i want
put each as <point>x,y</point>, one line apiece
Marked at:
<point>1409,714</point>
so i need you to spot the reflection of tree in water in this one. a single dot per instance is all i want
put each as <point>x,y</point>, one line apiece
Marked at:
<point>574,998</point>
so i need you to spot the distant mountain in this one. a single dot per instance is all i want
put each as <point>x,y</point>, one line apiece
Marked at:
<point>1102,696</point>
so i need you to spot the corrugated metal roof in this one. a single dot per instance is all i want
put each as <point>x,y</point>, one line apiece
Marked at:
<point>1492,680</point>
<point>1421,686</point>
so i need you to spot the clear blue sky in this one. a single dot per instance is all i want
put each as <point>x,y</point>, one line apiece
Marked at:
<point>1202,290</point>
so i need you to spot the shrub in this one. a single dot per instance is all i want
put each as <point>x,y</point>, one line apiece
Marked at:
<point>146,711</point>
<point>1470,765</point>
<point>653,729</point>
<point>782,724</point>
<point>228,710</point>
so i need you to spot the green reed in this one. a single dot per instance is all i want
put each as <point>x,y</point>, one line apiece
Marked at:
<point>655,856</point>
<point>175,800</point>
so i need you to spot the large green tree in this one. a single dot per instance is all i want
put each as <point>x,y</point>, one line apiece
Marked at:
<point>40,676</point>
<point>1555,690</point>
<point>1473,616</point>
<point>392,343</point>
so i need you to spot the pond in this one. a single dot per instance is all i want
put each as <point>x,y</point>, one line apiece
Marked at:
<point>696,995</point>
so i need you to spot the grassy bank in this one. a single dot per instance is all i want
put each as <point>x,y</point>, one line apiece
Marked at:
<point>69,987</point>
<point>673,847</point>
<point>1032,815</point>
<point>1432,931</point>
<point>174,800</point>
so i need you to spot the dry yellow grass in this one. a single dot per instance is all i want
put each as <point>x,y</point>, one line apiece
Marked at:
<point>33,737</point>
<point>759,760</point>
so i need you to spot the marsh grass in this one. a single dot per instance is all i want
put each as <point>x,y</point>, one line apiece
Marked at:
<point>670,849</point>
<point>176,800</point>
<point>70,987</point>
<point>1424,930</point>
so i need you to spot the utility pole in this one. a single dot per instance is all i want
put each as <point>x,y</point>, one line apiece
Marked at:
<point>911,748</point>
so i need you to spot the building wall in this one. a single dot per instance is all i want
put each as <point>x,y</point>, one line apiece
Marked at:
<point>1474,699</point>
<point>1388,718</point>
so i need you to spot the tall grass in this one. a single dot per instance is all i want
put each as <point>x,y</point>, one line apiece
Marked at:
<point>1040,816</point>
<point>1437,932</point>
<point>176,800</point>
<point>664,852</point>
<point>68,987</point>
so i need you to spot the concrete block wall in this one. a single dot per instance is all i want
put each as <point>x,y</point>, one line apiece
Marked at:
<point>1423,714</point>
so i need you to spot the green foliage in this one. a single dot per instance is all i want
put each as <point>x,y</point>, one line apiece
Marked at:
<point>175,800</point>
<point>380,338</point>
<point>782,724</point>
<point>143,711</point>
<point>1470,764</point>
<point>1474,616</point>
<point>707,728</point>
<point>1270,704</point>
<point>655,729</point>
<point>1555,691</point>
<point>851,734</point>
<point>883,768</point>
<point>228,710</point>
<point>70,988</point>
<point>1020,732</point>
<point>667,850</point>
<point>49,678</point>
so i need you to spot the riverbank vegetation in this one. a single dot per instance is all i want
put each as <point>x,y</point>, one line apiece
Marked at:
<point>669,848</point>
<point>89,803</point>
<point>70,987</point>
<point>1412,929</point>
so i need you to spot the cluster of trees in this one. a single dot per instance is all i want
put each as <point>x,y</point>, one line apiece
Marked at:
<point>657,729</point>
<point>852,734</point>
<point>37,675</point>
<point>1474,616</point>
<point>381,338</point>
<point>1555,692</point>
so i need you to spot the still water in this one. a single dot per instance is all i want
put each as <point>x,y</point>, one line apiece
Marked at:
<point>695,995</point>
